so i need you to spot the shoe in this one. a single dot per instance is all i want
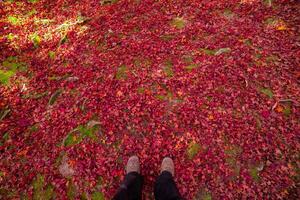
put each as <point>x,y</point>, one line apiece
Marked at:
<point>133,165</point>
<point>167,165</point>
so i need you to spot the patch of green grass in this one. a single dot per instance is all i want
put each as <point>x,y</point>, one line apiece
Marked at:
<point>258,120</point>
<point>33,1</point>
<point>98,196</point>
<point>287,110</point>
<point>209,98</point>
<point>222,50</point>
<point>36,39</point>
<point>268,2</point>
<point>38,21</point>
<point>81,132</point>
<point>32,12</point>
<point>40,191</point>
<point>54,97</point>
<point>108,2</point>
<point>71,191</point>
<point>192,150</point>
<point>272,59</point>
<point>203,194</point>
<point>232,152</point>
<point>72,139</point>
<point>248,42</point>
<point>34,128</point>
<point>14,20</point>
<point>141,90</point>
<point>210,52</point>
<point>122,72</point>
<point>254,173</point>
<point>35,95</point>
<point>11,63</point>
<point>188,59</point>
<point>178,22</point>
<point>88,132</point>
<point>63,39</point>
<point>5,76</point>
<point>11,36</point>
<point>160,97</point>
<point>271,21</point>
<point>51,54</point>
<point>168,68</point>
<point>167,37</point>
<point>228,13</point>
<point>191,67</point>
<point>215,52</point>
<point>267,91</point>
<point>4,138</point>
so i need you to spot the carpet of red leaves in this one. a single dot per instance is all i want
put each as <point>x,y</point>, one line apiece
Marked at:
<point>212,83</point>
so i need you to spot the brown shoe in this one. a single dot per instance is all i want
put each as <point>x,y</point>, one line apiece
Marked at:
<point>133,165</point>
<point>167,165</point>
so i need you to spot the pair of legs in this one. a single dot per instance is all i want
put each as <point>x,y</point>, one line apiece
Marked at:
<point>164,188</point>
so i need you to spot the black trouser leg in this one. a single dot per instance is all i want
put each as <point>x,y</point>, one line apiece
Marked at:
<point>165,187</point>
<point>131,187</point>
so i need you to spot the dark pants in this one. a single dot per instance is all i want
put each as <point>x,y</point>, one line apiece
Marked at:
<point>164,188</point>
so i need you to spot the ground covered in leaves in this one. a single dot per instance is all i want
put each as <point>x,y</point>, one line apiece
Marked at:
<point>84,84</point>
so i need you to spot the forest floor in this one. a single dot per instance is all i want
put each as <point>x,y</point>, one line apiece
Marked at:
<point>85,84</point>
